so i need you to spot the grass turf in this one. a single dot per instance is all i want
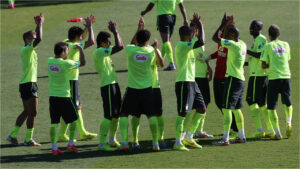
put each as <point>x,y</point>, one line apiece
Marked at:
<point>254,154</point>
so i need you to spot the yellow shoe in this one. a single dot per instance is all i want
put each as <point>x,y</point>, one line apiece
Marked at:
<point>269,134</point>
<point>180,147</point>
<point>257,135</point>
<point>191,143</point>
<point>106,147</point>
<point>88,136</point>
<point>288,130</point>
<point>114,144</point>
<point>276,137</point>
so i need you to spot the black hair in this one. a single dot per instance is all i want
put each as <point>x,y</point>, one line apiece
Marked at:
<point>257,24</point>
<point>274,31</point>
<point>74,32</point>
<point>234,31</point>
<point>102,37</point>
<point>185,31</point>
<point>143,36</point>
<point>59,48</point>
<point>26,35</point>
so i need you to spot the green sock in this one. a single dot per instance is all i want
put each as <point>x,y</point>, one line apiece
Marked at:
<point>63,128</point>
<point>179,126</point>
<point>274,118</point>
<point>104,127</point>
<point>29,134</point>
<point>163,51</point>
<point>15,131</point>
<point>201,123</point>
<point>187,120</point>
<point>135,126</point>
<point>195,122</point>
<point>73,130</point>
<point>288,114</point>
<point>161,127</point>
<point>80,124</point>
<point>114,125</point>
<point>227,119</point>
<point>169,51</point>
<point>239,118</point>
<point>265,113</point>
<point>53,133</point>
<point>154,128</point>
<point>124,128</point>
<point>256,115</point>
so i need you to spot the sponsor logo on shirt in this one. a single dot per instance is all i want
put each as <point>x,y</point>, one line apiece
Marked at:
<point>244,52</point>
<point>141,58</point>
<point>189,44</point>
<point>54,68</point>
<point>279,50</point>
<point>76,63</point>
<point>106,51</point>
<point>226,43</point>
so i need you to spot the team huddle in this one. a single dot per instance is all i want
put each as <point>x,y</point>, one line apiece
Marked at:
<point>269,76</point>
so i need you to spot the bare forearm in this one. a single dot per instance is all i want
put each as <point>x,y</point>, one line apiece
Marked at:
<point>183,11</point>
<point>91,39</point>
<point>254,54</point>
<point>82,57</point>
<point>159,60</point>
<point>200,41</point>
<point>118,43</point>
<point>39,34</point>
<point>148,8</point>
<point>216,37</point>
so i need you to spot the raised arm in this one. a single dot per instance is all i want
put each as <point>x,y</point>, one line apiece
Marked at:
<point>141,26</point>
<point>91,39</point>
<point>81,54</point>
<point>159,60</point>
<point>216,37</point>
<point>148,8</point>
<point>196,21</point>
<point>112,26</point>
<point>183,12</point>
<point>39,20</point>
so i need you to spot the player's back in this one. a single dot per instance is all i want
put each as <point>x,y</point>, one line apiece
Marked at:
<point>29,64</point>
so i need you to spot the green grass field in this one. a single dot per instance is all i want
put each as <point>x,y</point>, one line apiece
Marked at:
<point>254,154</point>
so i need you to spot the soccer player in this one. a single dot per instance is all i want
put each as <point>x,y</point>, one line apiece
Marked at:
<point>219,79</point>
<point>28,84</point>
<point>235,80</point>
<point>60,102</point>
<point>275,57</point>
<point>187,91</point>
<point>110,90</point>
<point>138,98</point>
<point>75,36</point>
<point>166,19</point>
<point>258,81</point>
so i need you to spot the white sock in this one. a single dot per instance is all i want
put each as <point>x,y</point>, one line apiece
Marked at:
<point>177,141</point>
<point>226,135</point>
<point>190,136</point>
<point>260,130</point>
<point>183,135</point>
<point>54,146</point>
<point>277,131</point>
<point>289,121</point>
<point>241,133</point>
<point>71,143</point>
<point>101,144</point>
<point>112,139</point>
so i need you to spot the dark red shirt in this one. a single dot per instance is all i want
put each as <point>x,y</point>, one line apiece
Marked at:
<point>221,56</point>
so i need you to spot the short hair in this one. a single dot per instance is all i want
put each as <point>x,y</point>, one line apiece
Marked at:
<point>274,31</point>
<point>59,48</point>
<point>185,31</point>
<point>143,36</point>
<point>26,35</point>
<point>74,32</point>
<point>258,24</point>
<point>234,31</point>
<point>102,37</point>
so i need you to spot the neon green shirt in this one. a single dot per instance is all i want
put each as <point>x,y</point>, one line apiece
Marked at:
<point>139,61</point>
<point>29,64</point>
<point>166,6</point>
<point>235,58</point>
<point>58,72</point>
<point>185,61</point>
<point>104,66</point>
<point>200,65</point>
<point>74,55</point>
<point>255,68</point>
<point>155,81</point>
<point>277,55</point>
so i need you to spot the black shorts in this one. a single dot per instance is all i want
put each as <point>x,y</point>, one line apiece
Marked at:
<point>282,86</point>
<point>219,91</point>
<point>257,90</point>
<point>233,93</point>
<point>62,107</point>
<point>203,85</point>
<point>157,100</point>
<point>74,86</point>
<point>28,90</point>
<point>137,101</point>
<point>111,97</point>
<point>188,96</point>
<point>166,23</point>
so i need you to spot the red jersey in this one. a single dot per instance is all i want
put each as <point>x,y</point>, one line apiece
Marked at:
<point>221,56</point>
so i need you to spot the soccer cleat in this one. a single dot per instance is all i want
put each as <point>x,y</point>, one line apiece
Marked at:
<point>221,143</point>
<point>162,144</point>
<point>270,134</point>
<point>106,147</point>
<point>57,152</point>
<point>180,147</point>
<point>239,140</point>
<point>136,146</point>
<point>31,143</point>
<point>13,141</point>
<point>202,134</point>
<point>288,130</point>
<point>155,147</point>
<point>124,147</point>
<point>170,67</point>
<point>257,135</point>
<point>233,135</point>
<point>11,6</point>
<point>276,137</point>
<point>88,136</point>
<point>191,143</point>
<point>71,148</point>
<point>114,144</point>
